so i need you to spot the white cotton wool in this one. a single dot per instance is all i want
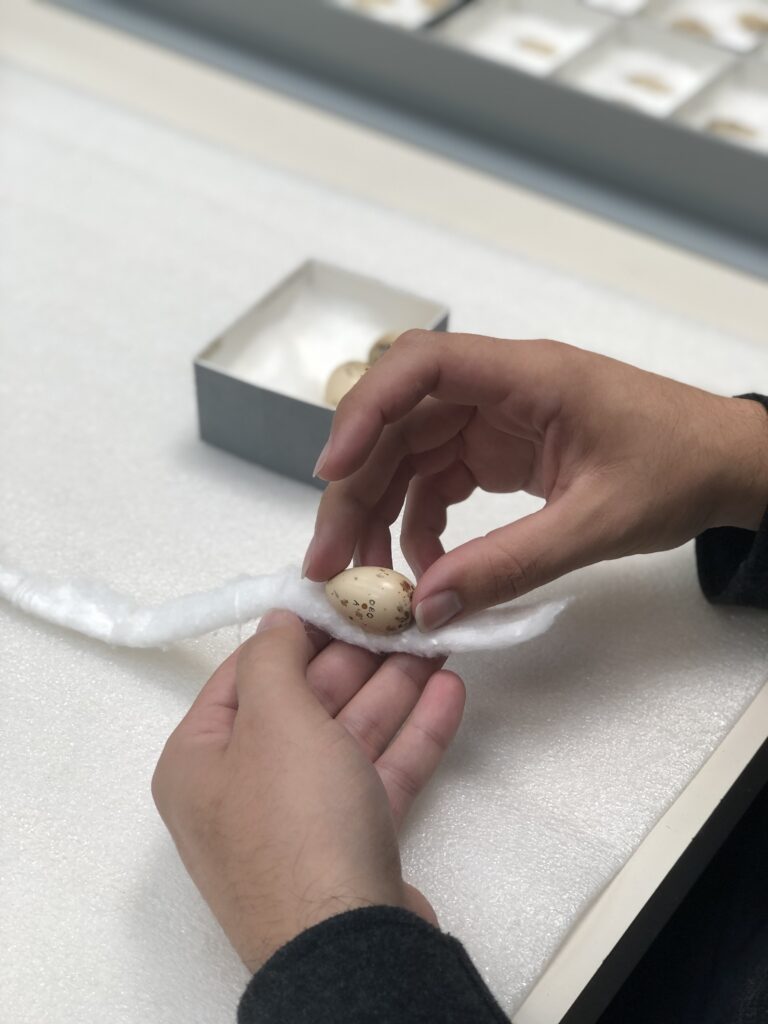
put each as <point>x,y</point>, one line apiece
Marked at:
<point>104,614</point>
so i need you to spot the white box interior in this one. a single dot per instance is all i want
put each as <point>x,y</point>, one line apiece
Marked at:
<point>646,68</point>
<point>734,108</point>
<point>317,318</point>
<point>536,36</point>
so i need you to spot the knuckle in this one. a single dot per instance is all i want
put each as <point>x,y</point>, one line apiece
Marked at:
<point>509,576</point>
<point>413,336</point>
<point>157,786</point>
<point>160,777</point>
<point>249,655</point>
<point>322,685</point>
<point>432,738</point>
<point>170,785</point>
<point>262,643</point>
<point>367,733</point>
<point>188,803</point>
<point>346,401</point>
<point>553,347</point>
<point>403,780</point>
<point>410,672</point>
<point>555,354</point>
<point>357,497</point>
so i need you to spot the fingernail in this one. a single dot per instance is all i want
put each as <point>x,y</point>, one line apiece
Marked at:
<point>318,470</point>
<point>433,612</point>
<point>305,563</point>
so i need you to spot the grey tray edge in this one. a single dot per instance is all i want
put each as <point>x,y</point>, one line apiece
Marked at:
<point>688,224</point>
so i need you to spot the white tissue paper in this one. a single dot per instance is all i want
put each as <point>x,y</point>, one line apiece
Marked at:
<point>98,611</point>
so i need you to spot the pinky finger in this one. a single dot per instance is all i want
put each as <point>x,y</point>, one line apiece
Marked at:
<point>409,762</point>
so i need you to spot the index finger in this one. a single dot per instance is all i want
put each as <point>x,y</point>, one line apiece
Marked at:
<point>466,369</point>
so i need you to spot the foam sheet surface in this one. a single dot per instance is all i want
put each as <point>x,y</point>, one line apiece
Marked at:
<point>123,249</point>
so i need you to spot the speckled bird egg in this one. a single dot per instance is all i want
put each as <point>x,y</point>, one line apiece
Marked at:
<point>383,345</point>
<point>375,599</point>
<point>342,380</point>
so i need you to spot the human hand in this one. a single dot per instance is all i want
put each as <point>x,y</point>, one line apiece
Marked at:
<point>627,462</point>
<point>286,783</point>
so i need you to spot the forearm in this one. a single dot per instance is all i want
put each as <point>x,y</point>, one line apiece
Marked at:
<point>380,963</point>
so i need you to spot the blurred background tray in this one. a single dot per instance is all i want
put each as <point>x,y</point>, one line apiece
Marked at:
<point>697,180</point>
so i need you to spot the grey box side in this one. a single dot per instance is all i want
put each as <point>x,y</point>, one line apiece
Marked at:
<point>278,432</point>
<point>665,161</point>
<point>274,430</point>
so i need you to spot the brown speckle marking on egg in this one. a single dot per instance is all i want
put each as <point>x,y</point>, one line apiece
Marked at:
<point>376,599</point>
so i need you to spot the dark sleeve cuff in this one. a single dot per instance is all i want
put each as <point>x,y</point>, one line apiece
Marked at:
<point>375,965</point>
<point>733,563</point>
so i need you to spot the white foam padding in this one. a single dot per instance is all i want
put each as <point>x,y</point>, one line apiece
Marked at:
<point>125,249</point>
<point>97,611</point>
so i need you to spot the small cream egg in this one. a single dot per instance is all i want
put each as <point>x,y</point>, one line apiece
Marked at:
<point>377,600</point>
<point>382,345</point>
<point>342,380</point>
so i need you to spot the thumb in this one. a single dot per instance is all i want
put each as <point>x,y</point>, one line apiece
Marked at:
<point>271,674</point>
<point>507,563</point>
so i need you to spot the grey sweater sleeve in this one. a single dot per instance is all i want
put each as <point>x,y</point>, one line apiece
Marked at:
<point>733,563</point>
<point>377,965</point>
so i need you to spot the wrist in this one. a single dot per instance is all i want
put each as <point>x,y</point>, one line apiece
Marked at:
<point>742,476</point>
<point>258,935</point>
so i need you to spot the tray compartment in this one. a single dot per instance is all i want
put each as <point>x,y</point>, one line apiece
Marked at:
<point>536,36</point>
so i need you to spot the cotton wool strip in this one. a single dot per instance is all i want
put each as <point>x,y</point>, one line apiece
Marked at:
<point>97,611</point>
